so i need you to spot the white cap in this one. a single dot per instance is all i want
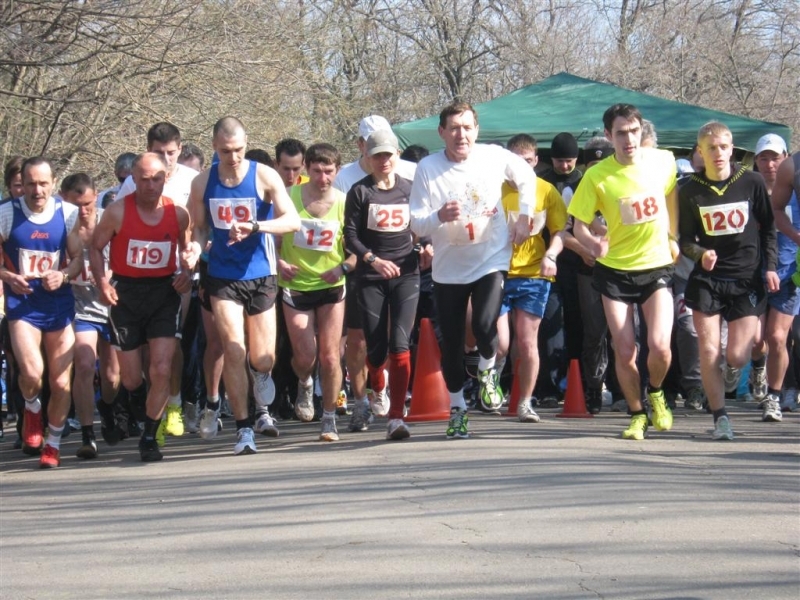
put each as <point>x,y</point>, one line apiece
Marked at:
<point>684,166</point>
<point>772,142</point>
<point>371,124</point>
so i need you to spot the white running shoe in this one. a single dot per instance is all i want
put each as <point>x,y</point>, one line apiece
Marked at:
<point>190,417</point>
<point>329,433</point>
<point>380,402</point>
<point>722,429</point>
<point>245,442</point>
<point>265,425</point>
<point>397,430</point>
<point>525,412</point>
<point>210,424</point>
<point>304,404</point>
<point>772,409</point>
<point>263,388</point>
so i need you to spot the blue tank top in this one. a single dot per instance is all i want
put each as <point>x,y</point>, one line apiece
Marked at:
<point>254,256</point>
<point>30,250</point>
<point>787,249</point>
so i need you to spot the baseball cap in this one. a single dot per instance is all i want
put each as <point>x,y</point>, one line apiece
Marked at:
<point>382,141</point>
<point>371,124</point>
<point>772,142</point>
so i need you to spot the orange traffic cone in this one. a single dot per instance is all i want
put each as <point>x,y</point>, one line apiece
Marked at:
<point>513,399</point>
<point>430,400</point>
<point>575,401</point>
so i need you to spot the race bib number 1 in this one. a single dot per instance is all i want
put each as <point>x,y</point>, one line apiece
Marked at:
<point>725,219</point>
<point>319,236</point>
<point>34,263</point>
<point>227,211</point>
<point>148,255</point>
<point>463,233</point>
<point>638,209</point>
<point>388,217</point>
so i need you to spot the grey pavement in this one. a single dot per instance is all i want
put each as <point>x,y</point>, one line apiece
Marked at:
<point>559,509</point>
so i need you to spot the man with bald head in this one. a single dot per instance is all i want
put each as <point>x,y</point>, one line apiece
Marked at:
<point>145,231</point>
<point>41,251</point>
<point>238,205</point>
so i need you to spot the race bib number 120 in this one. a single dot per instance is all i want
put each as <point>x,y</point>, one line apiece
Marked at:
<point>725,219</point>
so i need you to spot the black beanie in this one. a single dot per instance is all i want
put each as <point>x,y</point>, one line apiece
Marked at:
<point>564,145</point>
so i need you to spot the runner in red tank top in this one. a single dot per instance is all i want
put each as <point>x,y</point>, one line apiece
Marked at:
<point>144,232</point>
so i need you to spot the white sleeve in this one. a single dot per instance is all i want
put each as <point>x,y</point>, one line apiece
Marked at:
<point>522,175</point>
<point>424,218</point>
<point>6,219</point>
<point>127,188</point>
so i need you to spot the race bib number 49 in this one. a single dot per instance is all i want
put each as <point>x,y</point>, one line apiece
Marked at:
<point>638,209</point>
<point>227,211</point>
<point>148,255</point>
<point>725,219</point>
<point>34,263</point>
<point>388,217</point>
<point>319,236</point>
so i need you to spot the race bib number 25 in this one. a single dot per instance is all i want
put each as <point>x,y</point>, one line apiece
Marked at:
<point>388,217</point>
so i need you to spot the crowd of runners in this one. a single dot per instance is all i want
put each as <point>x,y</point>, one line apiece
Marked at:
<point>259,286</point>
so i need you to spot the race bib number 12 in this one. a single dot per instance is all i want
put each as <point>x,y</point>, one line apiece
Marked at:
<point>316,235</point>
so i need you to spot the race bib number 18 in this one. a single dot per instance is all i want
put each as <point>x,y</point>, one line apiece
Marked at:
<point>34,263</point>
<point>638,209</point>
<point>148,255</point>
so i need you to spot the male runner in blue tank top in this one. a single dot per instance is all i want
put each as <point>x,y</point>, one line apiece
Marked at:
<point>238,205</point>
<point>41,253</point>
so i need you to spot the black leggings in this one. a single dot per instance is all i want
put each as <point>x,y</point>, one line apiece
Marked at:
<point>451,307</point>
<point>388,303</point>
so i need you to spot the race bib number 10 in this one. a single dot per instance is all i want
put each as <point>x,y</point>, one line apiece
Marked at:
<point>319,236</point>
<point>638,209</point>
<point>148,255</point>
<point>34,263</point>
<point>388,217</point>
<point>227,211</point>
<point>725,219</point>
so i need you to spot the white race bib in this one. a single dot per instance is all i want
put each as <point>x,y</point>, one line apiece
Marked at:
<point>317,235</point>
<point>388,217</point>
<point>33,263</point>
<point>227,211</point>
<point>639,208</point>
<point>84,278</point>
<point>465,232</point>
<point>148,255</point>
<point>725,219</point>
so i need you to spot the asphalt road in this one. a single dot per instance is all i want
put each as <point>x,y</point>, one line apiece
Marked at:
<point>560,509</point>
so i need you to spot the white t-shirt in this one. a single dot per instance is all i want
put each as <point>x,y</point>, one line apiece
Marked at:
<point>177,188</point>
<point>478,243</point>
<point>352,173</point>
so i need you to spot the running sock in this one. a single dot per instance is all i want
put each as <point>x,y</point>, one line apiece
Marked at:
<point>377,377</point>
<point>363,401</point>
<point>651,389</point>
<point>34,405</point>
<point>174,400</point>
<point>243,423</point>
<point>54,436</point>
<point>329,414</point>
<point>138,402</point>
<point>486,363</point>
<point>457,400</point>
<point>759,363</point>
<point>399,376</point>
<point>638,412</point>
<point>307,383</point>
<point>774,392</point>
<point>720,413</point>
<point>150,428</point>
<point>87,431</point>
<point>212,403</point>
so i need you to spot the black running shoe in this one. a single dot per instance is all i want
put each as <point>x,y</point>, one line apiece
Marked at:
<point>88,448</point>
<point>148,450</point>
<point>108,424</point>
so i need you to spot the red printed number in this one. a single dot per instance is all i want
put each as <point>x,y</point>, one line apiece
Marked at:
<point>471,229</point>
<point>719,221</point>
<point>393,218</point>
<point>325,238</point>
<point>646,208</point>
<point>145,256</point>
<point>239,212</point>
<point>40,264</point>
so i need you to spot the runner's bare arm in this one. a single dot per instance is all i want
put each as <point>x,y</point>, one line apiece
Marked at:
<point>110,223</point>
<point>199,225</point>
<point>286,219</point>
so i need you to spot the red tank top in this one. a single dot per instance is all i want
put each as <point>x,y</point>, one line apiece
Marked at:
<point>142,250</point>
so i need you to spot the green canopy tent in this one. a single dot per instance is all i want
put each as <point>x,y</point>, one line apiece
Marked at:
<point>564,102</point>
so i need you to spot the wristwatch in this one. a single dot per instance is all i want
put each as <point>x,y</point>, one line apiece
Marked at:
<point>371,259</point>
<point>256,227</point>
<point>66,278</point>
<point>345,268</point>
